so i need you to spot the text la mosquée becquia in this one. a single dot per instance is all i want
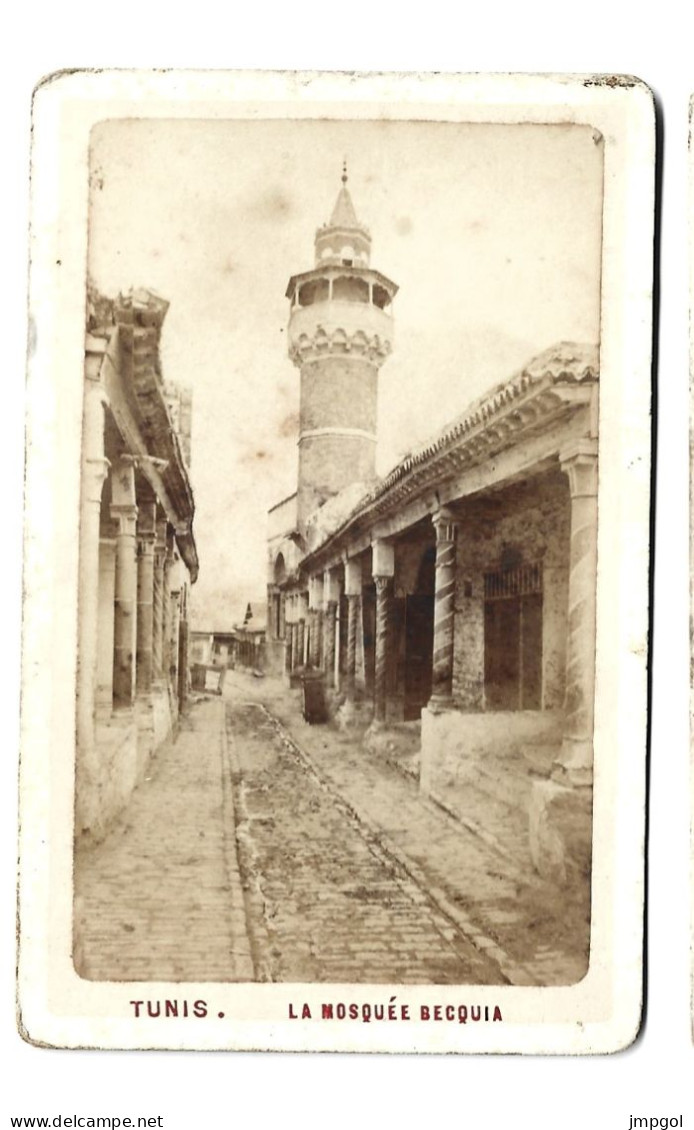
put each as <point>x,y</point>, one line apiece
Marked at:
<point>460,1013</point>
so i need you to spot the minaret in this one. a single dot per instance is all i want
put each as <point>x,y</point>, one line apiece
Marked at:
<point>340,333</point>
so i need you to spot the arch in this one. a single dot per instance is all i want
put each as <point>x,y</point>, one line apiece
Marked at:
<point>280,569</point>
<point>381,297</point>
<point>316,291</point>
<point>339,341</point>
<point>350,289</point>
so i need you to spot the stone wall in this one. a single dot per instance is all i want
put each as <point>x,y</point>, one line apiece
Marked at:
<point>338,392</point>
<point>327,463</point>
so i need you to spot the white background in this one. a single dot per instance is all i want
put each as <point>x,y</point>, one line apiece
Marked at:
<point>655,1076</point>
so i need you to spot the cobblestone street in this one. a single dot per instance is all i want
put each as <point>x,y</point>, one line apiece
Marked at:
<point>326,902</point>
<point>261,848</point>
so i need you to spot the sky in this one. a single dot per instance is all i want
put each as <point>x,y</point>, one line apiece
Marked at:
<point>492,233</point>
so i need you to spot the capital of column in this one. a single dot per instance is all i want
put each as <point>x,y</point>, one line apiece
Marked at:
<point>445,524</point>
<point>126,517</point>
<point>580,463</point>
<point>146,528</point>
<point>94,473</point>
<point>331,587</point>
<point>381,582</point>
<point>146,544</point>
<point>382,558</point>
<point>352,577</point>
<point>315,593</point>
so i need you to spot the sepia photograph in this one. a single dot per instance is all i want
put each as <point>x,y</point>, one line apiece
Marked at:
<point>358,582</point>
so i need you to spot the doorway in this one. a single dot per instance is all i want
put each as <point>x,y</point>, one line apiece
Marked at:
<point>513,639</point>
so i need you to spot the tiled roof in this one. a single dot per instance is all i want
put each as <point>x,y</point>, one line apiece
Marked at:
<point>566,362</point>
<point>132,323</point>
<point>488,420</point>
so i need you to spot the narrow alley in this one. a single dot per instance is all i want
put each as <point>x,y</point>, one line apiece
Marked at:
<point>259,848</point>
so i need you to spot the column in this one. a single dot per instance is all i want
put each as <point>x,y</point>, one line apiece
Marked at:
<point>331,595</point>
<point>315,605</point>
<point>288,633</point>
<point>94,472</point>
<point>146,536</point>
<point>124,512</point>
<point>169,562</point>
<point>444,609</point>
<point>383,585</point>
<point>158,602</point>
<point>314,637</point>
<point>575,763</point>
<point>383,567</point>
<point>183,646</point>
<point>353,594</point>
<point>107,597</point>
<point>175,582</point>
<point>299,656</point>
<point>292,631</point>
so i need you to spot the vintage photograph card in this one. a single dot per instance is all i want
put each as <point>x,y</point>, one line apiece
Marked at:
<point>336,562</point>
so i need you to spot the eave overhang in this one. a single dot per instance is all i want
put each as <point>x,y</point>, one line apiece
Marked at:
<point>550,390</point>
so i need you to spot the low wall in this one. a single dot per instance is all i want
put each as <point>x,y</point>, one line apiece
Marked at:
<point>561,834</point>
<point>454,743</point>
<point>125,745</point>
<point>493,769</point>
<point>117,747</point>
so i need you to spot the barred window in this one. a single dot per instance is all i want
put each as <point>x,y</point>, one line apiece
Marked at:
<point>523,580</point>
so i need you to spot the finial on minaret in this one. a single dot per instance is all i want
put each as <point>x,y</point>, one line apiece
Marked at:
<point>344,171</point>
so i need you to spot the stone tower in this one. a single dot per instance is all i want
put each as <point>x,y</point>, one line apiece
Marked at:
<point>340,333</point>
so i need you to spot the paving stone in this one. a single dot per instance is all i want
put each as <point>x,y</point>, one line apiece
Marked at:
<point>363,917</point>
<point>152,901</point>
<point>478,872</point>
